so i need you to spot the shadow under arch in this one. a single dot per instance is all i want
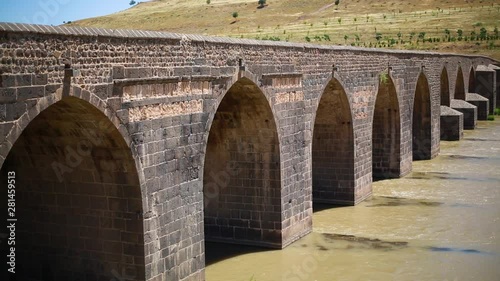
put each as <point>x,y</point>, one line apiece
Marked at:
<point>421,127</point>
<point>242,176</point>
<point>333,147</point>
<point>472,80</point>
<point>459,85</point>
<point>78,197</point>
<point>445,88</point>
<point>386,131</point>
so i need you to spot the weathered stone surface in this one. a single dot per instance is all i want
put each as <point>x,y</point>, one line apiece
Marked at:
<point>451,124</point>
<point>486,85</point>
<point>497,71</point>
<point>481,103</point>
<point>468,110</point>
<point>163,107</point>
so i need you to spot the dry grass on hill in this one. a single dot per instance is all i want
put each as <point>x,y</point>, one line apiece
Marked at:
<point>399,24</point>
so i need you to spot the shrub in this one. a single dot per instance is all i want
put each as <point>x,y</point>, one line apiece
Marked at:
<point>262,3</point>
<point>384,78</point>
<point>235,14</point>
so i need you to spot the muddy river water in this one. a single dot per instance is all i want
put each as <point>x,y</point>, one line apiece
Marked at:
<point>441,222</point>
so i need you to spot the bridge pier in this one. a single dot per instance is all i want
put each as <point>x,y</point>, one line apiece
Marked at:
<point>452,124</point>
<point>497,74</point>
<point>486,85</point>
<point>481,103</point>
<point>468,110</point>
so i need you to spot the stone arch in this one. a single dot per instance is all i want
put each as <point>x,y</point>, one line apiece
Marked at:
<point>386,131</point>
<point>445,88</point>
<point>333,147</point>
<point>472,80</point>
<point>242,176</point>
<point>422,120</point>
<point>459,85</point>
<point>78,196</point>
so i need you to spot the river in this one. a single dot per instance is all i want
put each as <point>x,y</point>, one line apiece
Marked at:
<point>441,222</point>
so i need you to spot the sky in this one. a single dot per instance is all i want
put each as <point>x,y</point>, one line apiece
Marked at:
<point>54,12</point>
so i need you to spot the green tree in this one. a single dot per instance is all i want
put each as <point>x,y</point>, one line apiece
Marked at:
<point>337,2</point>
<point>262,3</point>
<point>345,38</point>
<point>132,2</point>
<point>235,15</point>
<point>378,36</point>
<point>483,33</point>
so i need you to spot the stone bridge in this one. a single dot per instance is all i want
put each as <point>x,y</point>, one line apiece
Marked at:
<point>131,148</point>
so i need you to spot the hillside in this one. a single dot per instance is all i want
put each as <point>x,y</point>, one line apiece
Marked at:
<point>441,25</point>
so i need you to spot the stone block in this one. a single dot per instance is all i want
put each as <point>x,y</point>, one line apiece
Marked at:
<point>486,85</point>
<point>8,95</point>
<point>468,110</point>
<point>118,72</point>
<point>496,68</point>
<point>481,103</point>
<point>451,124</point>
<point>24,93</point>
<point>40,79</point>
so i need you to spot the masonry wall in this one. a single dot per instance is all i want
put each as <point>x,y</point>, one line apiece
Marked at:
<point>78,198</point>
<point>162,91</point>
<point>386,136</point>
<point>422,135</point>
<point>242,187</point>
<point>333,148</point>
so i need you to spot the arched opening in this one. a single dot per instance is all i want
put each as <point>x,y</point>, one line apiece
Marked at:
<point>472,80</point>
<point>386,133</point>
<point>422,120</point>
<point>333,148</point>
<point>241,179</point>
<point>459,85</point>
<point>445,88</point>
<point>78,198</point>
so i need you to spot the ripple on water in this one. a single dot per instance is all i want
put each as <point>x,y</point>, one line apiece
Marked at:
<point>390,201</point>
<point>356,242</point>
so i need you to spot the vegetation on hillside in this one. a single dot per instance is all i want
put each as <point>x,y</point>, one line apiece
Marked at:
<point>440,25</point>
